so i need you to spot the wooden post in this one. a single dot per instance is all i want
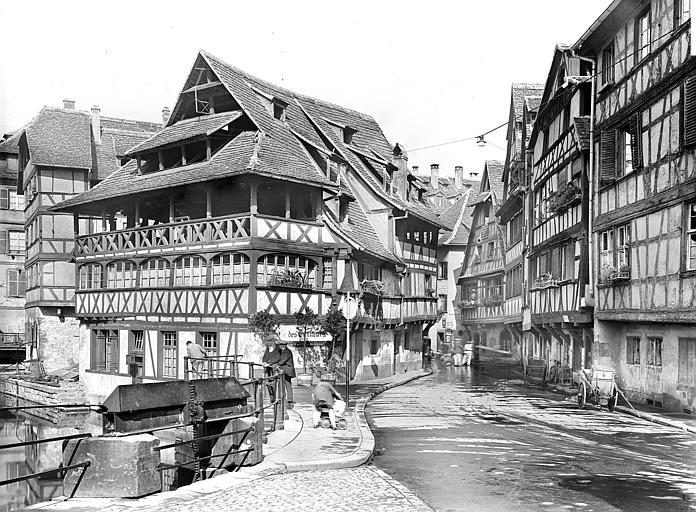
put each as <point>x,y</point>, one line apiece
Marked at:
<point>137,213</point>
<point>287,203</point>
<point>171,208</point>
<point>208,202</point>
<point>208,149</point>
<point>258,400</point>
<point>183,155</point>
<point>279,409</point>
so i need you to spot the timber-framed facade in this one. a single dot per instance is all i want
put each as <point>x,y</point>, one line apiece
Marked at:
<point>645,204</point>
<point>252,198</point>
<point>560,315</point>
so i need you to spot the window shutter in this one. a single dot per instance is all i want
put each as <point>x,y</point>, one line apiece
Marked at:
<point>690,111</point>
<point>21,283</point>
<point>570,261</point>
<point>607,172</point>
<point>3,241</point>
<point>4,199</point>
<point>636,141</point>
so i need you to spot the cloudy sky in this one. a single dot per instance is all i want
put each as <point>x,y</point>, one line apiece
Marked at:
<point>429,72</point>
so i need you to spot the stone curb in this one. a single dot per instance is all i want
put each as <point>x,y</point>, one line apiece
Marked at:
<point>363,453</point>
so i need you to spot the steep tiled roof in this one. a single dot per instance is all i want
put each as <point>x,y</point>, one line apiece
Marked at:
<point>187,129</point>
<point>495,178</point>
<point>10,144</point>
<point>60,137</point>
<point>235,158</point>
<point>522,90</point>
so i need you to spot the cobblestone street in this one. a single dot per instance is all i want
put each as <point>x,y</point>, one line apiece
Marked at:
<point>362,488</point>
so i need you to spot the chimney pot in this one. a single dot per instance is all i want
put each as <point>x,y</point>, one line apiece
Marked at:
<point>69,104</point>
<point>435,176</point>
<point>166,113</point>
<point>96,123</point>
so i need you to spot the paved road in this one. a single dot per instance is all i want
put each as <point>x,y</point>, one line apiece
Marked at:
<point>364,488</point>
<point>462,441</point>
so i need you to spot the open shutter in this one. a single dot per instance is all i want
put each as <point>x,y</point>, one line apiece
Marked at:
<point>21,283</point>
<point>636,141</point>
<point>607,172</point>
<point>4,198</point>
<point>3,241</point>
<point>114,351</point>
<point>690,111</point>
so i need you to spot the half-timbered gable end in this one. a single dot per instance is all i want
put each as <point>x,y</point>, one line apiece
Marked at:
<point>256,198</point>
<point>481,281</point>
<point>524,103</point>
<point>644,175</point>
<point>558,260</point>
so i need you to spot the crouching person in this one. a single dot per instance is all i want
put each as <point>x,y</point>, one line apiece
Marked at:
<point>324,396</point>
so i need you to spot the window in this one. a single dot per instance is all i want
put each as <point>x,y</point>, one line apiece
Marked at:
<point>190,271</point>
<point>169,354</point>
<point>490,251</point>
<point>121,274</point>
<point>272,263</point>
<point>607,67</point>
<point>15,283</point>
<point>681,12</point>
<point>16,242</point>
<point>606,248</point>
<point>374,346</point>
<point>642,36</point>
<point>633,350</point>
<point>369,271</point>
<point>442,304</point>
<point>137,344</point>
<point>279,109</point>
<point>626,154</point>
<point>691,238</point>
<point>90,276</point>
<point>155,273</point>
<point>10,200</point>
<point>442,270</point>
<point>210,342</point>
<point>623,246</point>
<point>515,228</point>
<point>513,282</point>
<point>327,274</point>
<point>230,268</point>
<point>687,362</point>
<point>105,353</point>
<point>654,351</point>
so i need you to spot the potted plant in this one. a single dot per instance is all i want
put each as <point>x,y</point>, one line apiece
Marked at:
<point>307,324</point>
<point>373,286</point>
<point>429,291</point>
<point>288,279</point>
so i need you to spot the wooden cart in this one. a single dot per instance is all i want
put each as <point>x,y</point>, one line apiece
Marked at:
<point>597,386</point>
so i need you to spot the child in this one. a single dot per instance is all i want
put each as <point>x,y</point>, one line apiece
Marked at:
<point>324,396</point>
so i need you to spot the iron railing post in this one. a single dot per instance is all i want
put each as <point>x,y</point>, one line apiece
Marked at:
<point>186,368</point>
<point>258,402</point>
<point>279,423</point>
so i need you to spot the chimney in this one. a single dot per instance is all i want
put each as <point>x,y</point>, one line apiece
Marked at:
<point>458,177</point>
<point>435,176</point>
<point>69,104</point>
<point>96,124</point>
<point>473,175</point>
<point>165,116</point>
<point>400,178</point>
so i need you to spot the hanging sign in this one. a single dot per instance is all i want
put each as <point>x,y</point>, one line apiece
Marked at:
<point>349,306</point>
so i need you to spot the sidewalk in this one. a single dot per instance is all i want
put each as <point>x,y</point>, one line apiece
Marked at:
<point>299,447</point>
<point>678,420</point>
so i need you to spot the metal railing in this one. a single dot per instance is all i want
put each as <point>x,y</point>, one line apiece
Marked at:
<point>60,469</point>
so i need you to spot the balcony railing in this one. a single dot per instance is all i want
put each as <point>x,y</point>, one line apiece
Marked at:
<point>545,281</point>
<point>199,233</point>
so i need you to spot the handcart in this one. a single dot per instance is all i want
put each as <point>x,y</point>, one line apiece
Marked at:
<point>596,386</point>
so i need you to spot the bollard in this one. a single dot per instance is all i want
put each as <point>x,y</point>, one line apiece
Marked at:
<point>258,403</point>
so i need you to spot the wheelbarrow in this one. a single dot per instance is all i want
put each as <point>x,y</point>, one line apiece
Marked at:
<point>597,386</point>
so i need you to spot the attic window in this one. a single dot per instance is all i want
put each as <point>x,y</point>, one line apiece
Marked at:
<point>279,109</point>
<point>348,133</point>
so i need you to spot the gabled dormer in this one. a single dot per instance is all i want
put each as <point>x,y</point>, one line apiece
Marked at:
<point>343,132</point>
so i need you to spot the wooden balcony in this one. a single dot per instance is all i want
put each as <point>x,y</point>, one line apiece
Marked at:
<point>220,232</point>
<point>397,309</point>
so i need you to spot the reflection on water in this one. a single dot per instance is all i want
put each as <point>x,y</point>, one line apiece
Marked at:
<point>27,426</point>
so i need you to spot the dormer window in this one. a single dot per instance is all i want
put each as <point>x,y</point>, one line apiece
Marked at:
<point>348,133</point>
<point>279,109</point>
<point>343,132</point>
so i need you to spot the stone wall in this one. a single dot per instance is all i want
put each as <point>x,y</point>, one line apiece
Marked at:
<point>58,337</point>
<point>44,393</point>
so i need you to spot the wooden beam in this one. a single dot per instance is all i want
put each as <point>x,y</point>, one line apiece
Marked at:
<point>203,87</point>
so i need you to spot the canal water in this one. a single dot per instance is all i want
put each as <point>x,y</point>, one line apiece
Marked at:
<point>25,426</point>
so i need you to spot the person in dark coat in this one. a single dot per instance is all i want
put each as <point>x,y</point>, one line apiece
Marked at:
<point>270,360</point>
<point>287,365</point>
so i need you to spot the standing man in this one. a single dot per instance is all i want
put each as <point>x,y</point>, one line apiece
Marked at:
<point>270,360</point>
<point>468,352</point>
<point>287,365</point>
<point>458,350</point>
<point>196,355</point>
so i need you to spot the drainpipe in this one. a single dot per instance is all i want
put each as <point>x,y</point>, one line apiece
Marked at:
<point>591,177</point>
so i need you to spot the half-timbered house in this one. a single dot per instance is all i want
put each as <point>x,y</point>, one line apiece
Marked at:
<point>12,282</point>
<point>62,152</point>
<point>481,280</point>
<point>524,102</point>
<point>561,317</point>
<point>252,198</point>
<point>645,201</point>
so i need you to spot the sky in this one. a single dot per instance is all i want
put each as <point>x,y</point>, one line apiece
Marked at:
<point>429,72</point>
